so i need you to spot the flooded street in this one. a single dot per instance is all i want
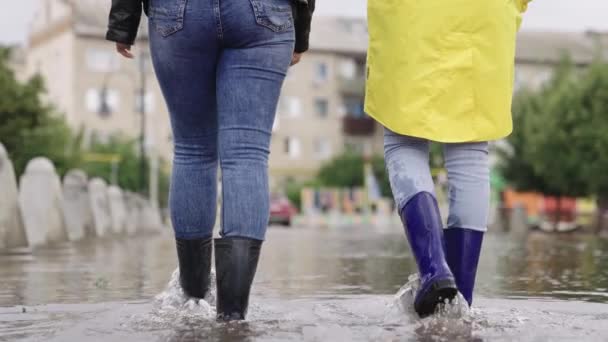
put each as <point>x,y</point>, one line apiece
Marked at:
<point>313,284</point>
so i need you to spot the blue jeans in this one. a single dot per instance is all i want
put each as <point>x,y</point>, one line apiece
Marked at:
<point>407,162</point>
<point>221,65</point>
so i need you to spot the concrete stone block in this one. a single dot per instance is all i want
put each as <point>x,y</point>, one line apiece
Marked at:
<point>98,198</point>
<point>41,203</point>
<point>12,233</point>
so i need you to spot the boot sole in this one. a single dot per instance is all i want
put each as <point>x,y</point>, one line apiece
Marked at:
<point>438,292</point>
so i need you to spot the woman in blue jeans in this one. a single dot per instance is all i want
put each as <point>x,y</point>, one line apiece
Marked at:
<point>220,65</point>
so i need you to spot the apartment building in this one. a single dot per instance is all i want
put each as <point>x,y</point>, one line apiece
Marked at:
<point>320,112</point>
<point>96,89</point>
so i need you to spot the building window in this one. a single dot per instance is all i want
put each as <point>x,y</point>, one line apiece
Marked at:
<point>290,106</point>
<point>102,101</point>
<point>149,102</point>
<point>292,147</point>
<point>103,137</point>
<point>101,60</point>
<point>290,75</point>
<point>276,124</point>
<point>519,80</point>
<point>348,69</point>
<point>322,149</point>
<point>322,107</point>
<point>321,72</point>
<point>354,107</point>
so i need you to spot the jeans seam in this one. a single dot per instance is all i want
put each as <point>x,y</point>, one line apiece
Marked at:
<point>192,235</point>
<point>222,210</point>
<point>467,226</point>
<point>243,128</point>
<point>218,19</point>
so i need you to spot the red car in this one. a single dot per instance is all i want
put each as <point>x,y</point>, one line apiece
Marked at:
<point>281,210</point>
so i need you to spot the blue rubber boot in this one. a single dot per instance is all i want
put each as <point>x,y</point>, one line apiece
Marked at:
<point>463,247</point>
<point>425,233</point>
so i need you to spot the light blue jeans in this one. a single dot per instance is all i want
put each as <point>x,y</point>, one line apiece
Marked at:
<point>221,65</point>
<point>407,162</point>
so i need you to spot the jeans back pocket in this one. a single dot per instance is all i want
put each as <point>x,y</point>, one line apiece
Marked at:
<point>274,14</point>
<point>167,16</point>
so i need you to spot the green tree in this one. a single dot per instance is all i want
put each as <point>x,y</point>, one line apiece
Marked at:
<point>293,191</point>
<point>592,137</point>
<point>127,169</point>
<point>346,171</point>
<point>542,155</point>
<point>379,169</point>
<point>559,144</point>
<point>516,165</point>
<point>539,156</point>
<point>28,127</point>
<point>554,131</point>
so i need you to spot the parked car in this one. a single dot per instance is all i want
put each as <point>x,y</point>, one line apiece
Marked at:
<point>282,210</point>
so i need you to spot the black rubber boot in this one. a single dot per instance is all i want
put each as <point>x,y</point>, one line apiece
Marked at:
<point>236,260</point>
<point>194,258</point>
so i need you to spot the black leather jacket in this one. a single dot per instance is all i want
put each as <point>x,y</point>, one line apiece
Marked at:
<point>126,14</point>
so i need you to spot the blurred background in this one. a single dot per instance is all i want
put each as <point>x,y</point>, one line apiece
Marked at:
<point>101,127</point>
<point>68,97</point>
<point>108,117</point>
<point>105,115</point>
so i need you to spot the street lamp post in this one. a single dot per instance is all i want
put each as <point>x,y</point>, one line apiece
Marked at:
<point>104,106</point>
<point>142,112</point>
<point>105,110</point>
<point>151,156</point>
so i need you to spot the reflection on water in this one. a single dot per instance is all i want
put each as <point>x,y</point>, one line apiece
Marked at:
<point>561,266</point>
<point>312,284</point>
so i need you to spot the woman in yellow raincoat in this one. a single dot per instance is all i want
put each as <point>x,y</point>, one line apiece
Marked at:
<point>442,70</point>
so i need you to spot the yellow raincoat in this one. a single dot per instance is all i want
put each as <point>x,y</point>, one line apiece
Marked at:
<point>443,69</point>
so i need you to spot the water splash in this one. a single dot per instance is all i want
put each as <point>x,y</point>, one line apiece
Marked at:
<point>173,301</point>
<point>174,310</point>
<point>404,301</point>
<point>452,320</point>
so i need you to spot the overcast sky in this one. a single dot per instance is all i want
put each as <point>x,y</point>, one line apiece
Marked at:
<point>562,15</point>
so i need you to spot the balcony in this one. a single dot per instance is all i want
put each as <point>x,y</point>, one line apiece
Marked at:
<point>358,126</point>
